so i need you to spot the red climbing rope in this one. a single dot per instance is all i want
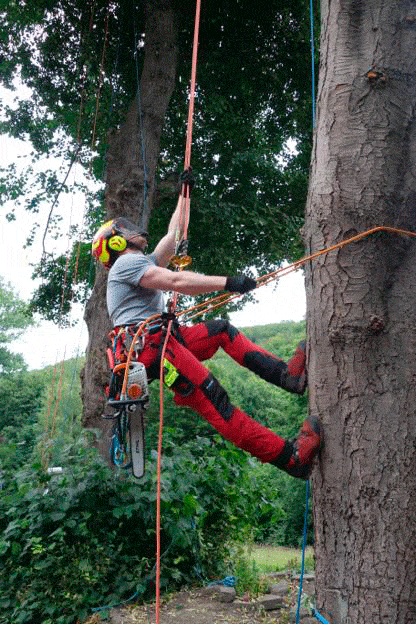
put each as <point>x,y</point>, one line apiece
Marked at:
<point>192,88</point>
<point>183,219</point>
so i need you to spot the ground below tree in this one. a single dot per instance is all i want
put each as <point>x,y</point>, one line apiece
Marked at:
<point>198,606</point>
<point>192,607</point>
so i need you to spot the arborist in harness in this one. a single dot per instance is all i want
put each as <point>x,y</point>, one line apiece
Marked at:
<point>135,287</point>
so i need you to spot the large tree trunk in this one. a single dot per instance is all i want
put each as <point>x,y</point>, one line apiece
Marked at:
<point>130,183</point>
<point>362,313</point>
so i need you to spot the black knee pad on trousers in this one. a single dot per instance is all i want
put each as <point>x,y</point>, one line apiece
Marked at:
<point>183,386</point>
<point>219,327</point>
<point>217,396</point>
<point>265,366</point>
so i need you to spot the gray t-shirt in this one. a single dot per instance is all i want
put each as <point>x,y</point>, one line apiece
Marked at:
<point>127,302</point>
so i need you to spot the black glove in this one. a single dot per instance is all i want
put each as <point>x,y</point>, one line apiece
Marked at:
<point>187,178</point>
<point>240,284</point>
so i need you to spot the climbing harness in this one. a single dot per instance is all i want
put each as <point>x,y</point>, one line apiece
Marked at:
<point>128,390</point>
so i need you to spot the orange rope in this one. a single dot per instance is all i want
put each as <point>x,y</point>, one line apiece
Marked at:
<point>183,218</point>
<point>186,200</point>
<point>192,89</point>
<point>215,302</point>
<point>347,241</point>
<point>219,300</point>
<point>159,472</point>
<point>188,145</point>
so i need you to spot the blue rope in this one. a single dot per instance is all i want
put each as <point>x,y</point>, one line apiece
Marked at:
<point>319,617</point>
<point>305,521</point>
<point>313,63</point>
<point>228,581</point>
<point>305,533</point>
<point>119,604</point>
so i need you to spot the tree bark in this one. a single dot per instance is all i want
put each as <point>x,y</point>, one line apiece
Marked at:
<point>132,155</point>
<point>362,312</point>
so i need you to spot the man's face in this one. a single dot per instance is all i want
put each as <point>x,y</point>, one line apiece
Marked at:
<point>139,240</point>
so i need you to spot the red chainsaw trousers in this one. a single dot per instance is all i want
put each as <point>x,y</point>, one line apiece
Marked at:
<point>198,389</point>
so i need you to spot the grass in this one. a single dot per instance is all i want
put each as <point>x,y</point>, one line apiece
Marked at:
<point>277,558</point>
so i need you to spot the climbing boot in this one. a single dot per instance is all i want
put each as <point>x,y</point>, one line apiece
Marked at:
<point>294,378</point>
<point>297,455</point>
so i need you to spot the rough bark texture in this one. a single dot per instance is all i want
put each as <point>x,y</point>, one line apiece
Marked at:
<point>125,188</point>
<point>362,313</point>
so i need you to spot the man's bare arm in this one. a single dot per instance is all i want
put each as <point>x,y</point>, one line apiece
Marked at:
<point>165,248</point>
<point>184,282</point>
<point>190,283</point>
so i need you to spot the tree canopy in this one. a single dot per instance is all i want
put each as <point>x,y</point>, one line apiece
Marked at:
<point>82,62</point>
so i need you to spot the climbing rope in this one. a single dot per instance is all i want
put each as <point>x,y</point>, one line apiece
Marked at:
<point>181,259</point>
<point>319,617</point>
<point>183,219</point>
<point>305,535</point>
<point>213,303</point>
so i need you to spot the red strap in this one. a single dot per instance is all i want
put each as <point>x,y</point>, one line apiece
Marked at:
<point>110,358</point>
<point>119,345</point>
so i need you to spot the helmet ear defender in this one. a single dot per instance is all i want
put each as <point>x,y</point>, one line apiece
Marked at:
<point>112,238</point>
<point>117,243</point>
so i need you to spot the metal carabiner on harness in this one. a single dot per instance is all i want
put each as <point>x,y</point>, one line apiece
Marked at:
<point>181,259</point>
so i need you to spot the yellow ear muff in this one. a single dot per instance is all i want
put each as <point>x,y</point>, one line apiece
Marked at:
<point>117,243</point>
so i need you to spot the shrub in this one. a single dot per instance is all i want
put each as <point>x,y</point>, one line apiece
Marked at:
<point>86,537</point>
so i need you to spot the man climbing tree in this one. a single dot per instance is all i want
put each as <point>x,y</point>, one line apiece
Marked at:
<point>125,155</point>
<point>134,294</point>
<point>361,308</point>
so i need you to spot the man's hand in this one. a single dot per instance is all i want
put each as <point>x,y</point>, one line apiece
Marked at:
<point>240,283</point>
<point>187,177</point>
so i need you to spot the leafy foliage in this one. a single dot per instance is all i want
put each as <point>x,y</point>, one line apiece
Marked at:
<point>84,538</point>
<point>253,96</point>
<point>14,318</point>
<point>21,399</point>
<point>76,541</point>
<point>62,284</point>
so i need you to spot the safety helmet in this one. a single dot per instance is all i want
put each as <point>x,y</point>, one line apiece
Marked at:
<point>112,238</point>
